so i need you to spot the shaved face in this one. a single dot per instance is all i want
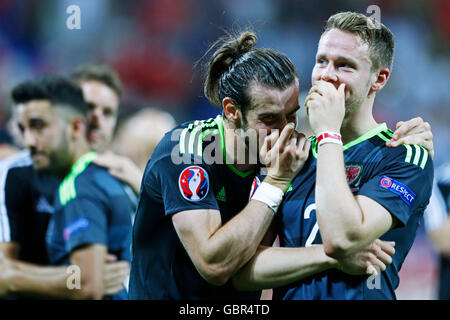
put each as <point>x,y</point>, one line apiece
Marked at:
<point>342,57</point>
<point>103,105</point>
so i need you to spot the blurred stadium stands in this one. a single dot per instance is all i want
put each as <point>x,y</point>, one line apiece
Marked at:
<point>154,45</point>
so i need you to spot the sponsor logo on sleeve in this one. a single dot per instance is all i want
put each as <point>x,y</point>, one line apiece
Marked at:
<point>193,183</point>
<point>44,206</point>
<point>405,193</point>
<point>75,226</point>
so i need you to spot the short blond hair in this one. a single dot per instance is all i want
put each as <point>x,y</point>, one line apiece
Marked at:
<point>379,38</point>
<point>100,73</point>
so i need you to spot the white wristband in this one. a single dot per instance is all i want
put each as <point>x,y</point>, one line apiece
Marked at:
<point>329,140</point>
<point>329,137</point>
<point>269,194</point>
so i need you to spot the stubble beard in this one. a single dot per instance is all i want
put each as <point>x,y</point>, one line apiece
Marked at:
<point>354,104</point>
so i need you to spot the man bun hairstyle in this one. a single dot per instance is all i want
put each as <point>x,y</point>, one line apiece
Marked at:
<point>237,63</point>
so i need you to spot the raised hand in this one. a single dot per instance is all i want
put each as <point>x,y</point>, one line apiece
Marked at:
<point>122,168</point>
<point>116,272</point>
<point>369,261</point>
<point>414,131</point>
<point>325,106</point>
<point>284,155</point>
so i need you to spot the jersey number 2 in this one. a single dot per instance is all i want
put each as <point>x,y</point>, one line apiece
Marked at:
<point>315,229</point>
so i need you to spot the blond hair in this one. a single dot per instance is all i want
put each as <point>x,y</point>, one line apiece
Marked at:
<point>378,37</point>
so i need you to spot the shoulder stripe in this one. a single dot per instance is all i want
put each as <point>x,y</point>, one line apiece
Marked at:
<point>382,137</point>
<point>197,131</point>
<point>183,140</point>
<point>389,133</point>
<point>386,134</point>
<point>408,153</point>
<point>424,159</point>
<point>192,136</point>
<point>202,136</point>
<point>20,159</point>
<point>67,190</point>
<point>419,153</point>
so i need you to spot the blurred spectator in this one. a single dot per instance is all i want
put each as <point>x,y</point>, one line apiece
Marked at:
<point>133,145</point>
<point>145,129</point>
<point>437,225</point>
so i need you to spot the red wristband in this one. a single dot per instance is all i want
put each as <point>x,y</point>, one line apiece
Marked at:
<point>331,137</point>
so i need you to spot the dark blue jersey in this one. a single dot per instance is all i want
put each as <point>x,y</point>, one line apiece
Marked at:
<point>400,179</point>
<point>91,207</point>
<point>26,204</point>
<point>161,267</point>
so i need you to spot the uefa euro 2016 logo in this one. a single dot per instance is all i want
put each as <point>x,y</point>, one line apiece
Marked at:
<point>193,183</point>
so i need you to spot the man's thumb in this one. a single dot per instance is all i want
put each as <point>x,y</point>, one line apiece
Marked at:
<point>341,88</point>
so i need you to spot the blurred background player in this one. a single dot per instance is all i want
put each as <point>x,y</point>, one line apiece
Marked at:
<point>133,144</point>
<point>46,108</point>
<point>30,209</point>
<point>10,137</point>
<point>92,215</point>
<point>102,91</point>
<point>437,225</point>
<point>145,128</point>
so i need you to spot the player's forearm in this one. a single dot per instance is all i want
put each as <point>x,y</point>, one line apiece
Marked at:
<point>90,259</point>
<point>232,245</point>
<point>37,270</point>
<point>338,213</point>
<point>273,267</point>
<point>40,282</point>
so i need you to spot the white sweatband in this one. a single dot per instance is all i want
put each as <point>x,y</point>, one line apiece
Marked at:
<point>269,194</point>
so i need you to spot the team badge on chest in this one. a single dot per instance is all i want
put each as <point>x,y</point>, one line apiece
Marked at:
<point>193,183</point>
<point>353,173</point>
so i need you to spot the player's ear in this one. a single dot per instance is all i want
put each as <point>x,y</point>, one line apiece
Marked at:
<point>231,111</point>
<point>77,127</point>
<point>380,79</point>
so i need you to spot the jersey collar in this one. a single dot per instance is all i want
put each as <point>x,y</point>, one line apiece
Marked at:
<point>366,136</point>
<point>243,174</point>
<point>81,164</point>
<point>67,190</point>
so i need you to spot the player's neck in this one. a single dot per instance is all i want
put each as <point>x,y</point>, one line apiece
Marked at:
<point>80,148</point>
<point>359,123</point>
